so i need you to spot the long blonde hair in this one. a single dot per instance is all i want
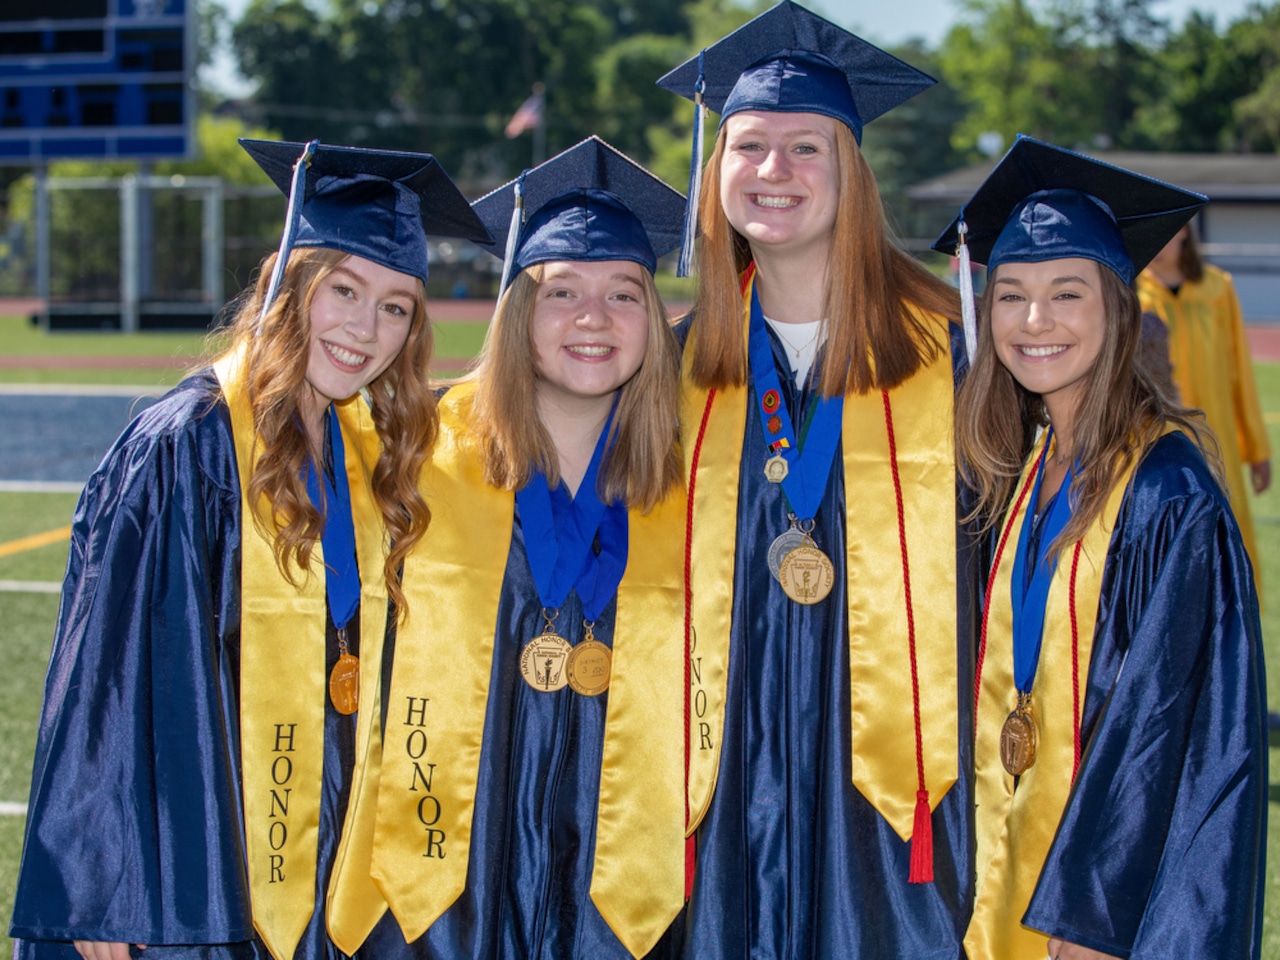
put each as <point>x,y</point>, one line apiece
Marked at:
<point>874,341</point>
<point>643,461</point>
<point>404,414</point>
<point>1122,413</point>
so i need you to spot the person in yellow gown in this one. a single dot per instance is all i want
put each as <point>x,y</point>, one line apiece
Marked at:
<point>1212,367</point>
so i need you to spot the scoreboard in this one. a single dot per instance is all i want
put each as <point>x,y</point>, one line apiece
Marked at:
<point>96,79</point>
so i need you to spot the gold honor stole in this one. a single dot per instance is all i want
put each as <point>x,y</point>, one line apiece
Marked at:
<point>282,676</point>
<point>1015,830</point>
<point>880,690</point>
<point>439,695</point>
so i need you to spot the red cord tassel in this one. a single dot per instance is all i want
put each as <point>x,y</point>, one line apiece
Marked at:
<point>922,842</point>
<point>690,865</point>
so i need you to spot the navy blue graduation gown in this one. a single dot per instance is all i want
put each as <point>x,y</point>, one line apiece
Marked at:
<point>1160,851</point>
<point>533,829</point>
<point>793,862</point>
<point>135,828</point>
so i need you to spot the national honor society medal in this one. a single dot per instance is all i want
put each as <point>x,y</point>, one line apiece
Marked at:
<point>782,545</point>
<point>1018,738</point>
<point>542,661</point>
<point>344,679</point>
<point>806,573</point>
<point>590,666</point>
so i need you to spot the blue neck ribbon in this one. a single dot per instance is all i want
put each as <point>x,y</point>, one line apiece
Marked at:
<point>559,536</point>
<point>808,468</point>
<point>1029,598</point>
<point>338,537</point>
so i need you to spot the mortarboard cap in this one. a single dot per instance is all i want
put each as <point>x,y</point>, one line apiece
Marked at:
<point>590,202</point>
<point>1043,202</point>
<point>793,61</point>
<point>376,204</point>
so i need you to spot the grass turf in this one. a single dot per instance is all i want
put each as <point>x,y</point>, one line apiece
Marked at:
<point>29,621</point>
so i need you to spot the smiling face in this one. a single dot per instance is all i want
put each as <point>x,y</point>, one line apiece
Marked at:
<point>360,316</point>
<point>589,331</point>
<point>780,180</point>
<point>1048,324</point>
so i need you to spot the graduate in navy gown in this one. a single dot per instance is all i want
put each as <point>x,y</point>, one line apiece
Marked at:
<point>531,796</point>
<point>212,694</point>
<point>1121,743</point>
<point>831,619</point>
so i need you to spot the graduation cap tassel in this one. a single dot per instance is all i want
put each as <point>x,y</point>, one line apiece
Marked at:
<point>967,311</point>
<point>513,233</point>
<point>291,217</point>
<point>685,265</point>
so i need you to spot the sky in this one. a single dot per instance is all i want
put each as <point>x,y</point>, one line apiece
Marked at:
<point>883,23</point>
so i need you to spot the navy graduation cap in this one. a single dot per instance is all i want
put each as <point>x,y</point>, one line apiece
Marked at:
<point>376,204</point>
<point>591,202</point>
<point>793,61</point>
<point>788,60</point>
<point>1043,202</point>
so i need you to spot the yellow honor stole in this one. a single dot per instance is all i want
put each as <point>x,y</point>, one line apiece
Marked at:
<point>439,696</point>
<point>1015,829</point>
<point>880,681</point>
<point>282,676</point>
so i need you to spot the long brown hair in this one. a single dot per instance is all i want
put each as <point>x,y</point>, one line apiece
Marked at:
<point>1122,413</point>
<point>874,340</point>
<point>643,461</point>
<point>404,414</point>
<point>1190,264</point>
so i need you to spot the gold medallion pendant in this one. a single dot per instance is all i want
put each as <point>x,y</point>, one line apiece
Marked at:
<point>776,468</point>
<point>590,666</point>
<point>1018,738</point>
<point>344,679</point>
<point>542,662</point>
<point>806,574</point>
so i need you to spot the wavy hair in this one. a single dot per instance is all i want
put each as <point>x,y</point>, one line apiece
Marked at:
<point>403,406</point>
<point>643,460</point>
<point>874,341</point>
<point>1122,413</point>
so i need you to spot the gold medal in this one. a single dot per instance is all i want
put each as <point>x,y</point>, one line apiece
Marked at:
<point>776,468</point>
<point>1018,738</point>
<point>344,679</point>
<point>590,666</point>
<point>542,661</point>
<point>806,574</point>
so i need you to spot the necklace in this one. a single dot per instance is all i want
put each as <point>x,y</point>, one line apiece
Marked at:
<point>778,327</point>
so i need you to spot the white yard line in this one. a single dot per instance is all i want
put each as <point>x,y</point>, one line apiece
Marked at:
<point>40,486</point>
<point>8,809</point>
<point>81,390</point>
<point>30,586</point>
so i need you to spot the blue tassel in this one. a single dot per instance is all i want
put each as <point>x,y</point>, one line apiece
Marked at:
<point>687,246</point>
<point>291,218</point>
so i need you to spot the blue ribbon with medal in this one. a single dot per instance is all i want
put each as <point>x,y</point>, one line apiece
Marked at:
<point>341,575</point>
<point>801,467</point>
<point>1029,596</point>
<point>560,538</point>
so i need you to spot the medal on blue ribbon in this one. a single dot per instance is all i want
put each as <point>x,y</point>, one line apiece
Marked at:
<point>800,467</point>
<point>341,573</point>
<point>1029,595</point>
<point>560,533</point>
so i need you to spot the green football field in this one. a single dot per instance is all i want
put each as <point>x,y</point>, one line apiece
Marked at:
<point>33,548</point>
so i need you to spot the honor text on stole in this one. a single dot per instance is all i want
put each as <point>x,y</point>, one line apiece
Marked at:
<point>697,692</point>
<point>281,778</point>
<point>424,771</point>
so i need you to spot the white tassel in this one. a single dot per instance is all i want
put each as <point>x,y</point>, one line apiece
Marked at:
<point>513,234</point>
<point>687,245</point>
<point>967,311</point>
<point>292,215</point>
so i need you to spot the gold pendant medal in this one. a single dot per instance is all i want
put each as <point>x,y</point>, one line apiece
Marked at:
<point>542,661</point>
<point>776,468</point>
<point>344,679</point>
<point>1018,738</point>
<point>806,573</point>
<point>590,666</point>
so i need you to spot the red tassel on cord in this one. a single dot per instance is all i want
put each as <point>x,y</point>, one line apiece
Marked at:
<point>922,842</point>
<point>690,865</point>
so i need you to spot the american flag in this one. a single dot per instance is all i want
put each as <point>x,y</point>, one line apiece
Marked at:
<point>528,117</point>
